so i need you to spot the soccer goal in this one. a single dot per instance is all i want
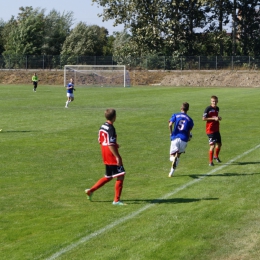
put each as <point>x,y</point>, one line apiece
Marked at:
<point>97,75</point>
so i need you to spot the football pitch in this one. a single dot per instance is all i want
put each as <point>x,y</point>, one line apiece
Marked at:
<point>50,155</point>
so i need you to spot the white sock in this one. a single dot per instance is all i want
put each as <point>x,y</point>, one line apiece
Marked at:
<point>171,172</point>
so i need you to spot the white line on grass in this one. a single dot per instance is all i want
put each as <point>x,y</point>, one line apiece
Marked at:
<point>132,215</point>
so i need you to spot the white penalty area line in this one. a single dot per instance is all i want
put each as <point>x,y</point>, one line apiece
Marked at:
<point>134,214</point>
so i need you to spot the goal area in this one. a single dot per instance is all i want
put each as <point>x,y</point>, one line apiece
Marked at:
<point>97,75</point>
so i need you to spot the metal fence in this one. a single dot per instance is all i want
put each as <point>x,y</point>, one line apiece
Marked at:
<point>148,63</point>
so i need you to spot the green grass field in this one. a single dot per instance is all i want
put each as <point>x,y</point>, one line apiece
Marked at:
<point>50,155</point>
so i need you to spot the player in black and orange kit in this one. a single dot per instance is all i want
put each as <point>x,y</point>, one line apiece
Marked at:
<point>107,138</point>
<point>212,119</point>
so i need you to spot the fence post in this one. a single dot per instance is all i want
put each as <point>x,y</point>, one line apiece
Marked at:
<point>26,62</point>
<point>199,62</point>
<point>232,63</point>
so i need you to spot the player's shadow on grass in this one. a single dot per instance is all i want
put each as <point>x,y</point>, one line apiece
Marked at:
<point>159,201</point>
<point>170,201</point>
<point>18,131</point>
<point>198,176</point>
<point>244,163</point>
<point>178,200</point>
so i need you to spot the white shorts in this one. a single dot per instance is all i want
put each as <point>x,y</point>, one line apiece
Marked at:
<point>70,95</point>
<point>177,145</point>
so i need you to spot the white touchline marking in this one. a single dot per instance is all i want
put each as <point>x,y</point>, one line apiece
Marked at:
<point>132,215</point>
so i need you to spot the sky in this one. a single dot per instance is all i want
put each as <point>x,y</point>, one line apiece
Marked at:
<point>83,11</point>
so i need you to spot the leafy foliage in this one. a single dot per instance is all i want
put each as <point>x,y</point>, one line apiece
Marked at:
<point>25,35</point>
<point>85,40</point>
<point>248,27</point>
<point>125,50</point>
<point>152,28</point>
<point>189,27</point>
<point>2,25</point>
<point>158,25</point>
<point>57,28</point>
<point>33,33</point>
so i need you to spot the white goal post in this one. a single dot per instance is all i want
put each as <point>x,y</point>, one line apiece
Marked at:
<point>97,75</point>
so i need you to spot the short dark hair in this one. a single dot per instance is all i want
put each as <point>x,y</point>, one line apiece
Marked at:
<point>185,106</point>
<point>110,113</point>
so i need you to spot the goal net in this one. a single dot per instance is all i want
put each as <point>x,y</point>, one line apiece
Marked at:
<point>97,75</point>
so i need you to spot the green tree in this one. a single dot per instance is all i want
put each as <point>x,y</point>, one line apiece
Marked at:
<point>214,43</point>
<point>2,25</point>
<point>108,48</point>
<point>85,40</point>
<point>24,36</point>
<point>218,15</point>
<point>158,25</point>
<point>56,29</point>
<point>191,16</point>
<point>171,27</point>
<point>248,27</point>
<point>125,50</point>
<point>33,33</point>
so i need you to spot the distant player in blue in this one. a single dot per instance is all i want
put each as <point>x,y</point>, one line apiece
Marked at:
<point>180,135</point>
<point>70,95</point>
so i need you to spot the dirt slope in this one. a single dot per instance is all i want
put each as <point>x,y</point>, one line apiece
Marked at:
<point>138,78</point>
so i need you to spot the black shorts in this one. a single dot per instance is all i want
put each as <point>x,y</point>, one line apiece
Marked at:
<point>113,171</point>
<point>35,83</point>
<point>214,138</point>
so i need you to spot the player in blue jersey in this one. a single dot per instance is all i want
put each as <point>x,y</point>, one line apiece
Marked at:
<point>180,135</point>
<point>70,95</point>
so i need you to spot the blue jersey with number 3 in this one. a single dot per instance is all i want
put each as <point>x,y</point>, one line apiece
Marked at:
<point>182,126</point>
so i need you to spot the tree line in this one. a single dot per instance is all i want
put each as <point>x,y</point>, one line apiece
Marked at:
<point>152,27</point>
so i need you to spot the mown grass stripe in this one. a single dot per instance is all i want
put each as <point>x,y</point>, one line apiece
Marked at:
<point>132,215</point>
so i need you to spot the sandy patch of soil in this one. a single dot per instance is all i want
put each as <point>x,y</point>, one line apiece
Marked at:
<point>142,77</point>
